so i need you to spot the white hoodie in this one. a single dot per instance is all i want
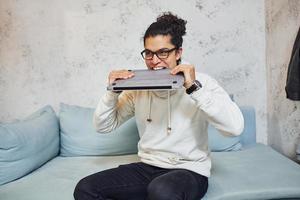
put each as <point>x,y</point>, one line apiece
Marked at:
<point>172,124</point>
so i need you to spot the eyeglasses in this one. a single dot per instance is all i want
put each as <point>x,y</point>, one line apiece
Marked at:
<point>161,54</point>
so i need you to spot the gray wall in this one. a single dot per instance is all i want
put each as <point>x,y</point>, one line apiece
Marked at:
<point>54,51</point>
<point>282,23</point>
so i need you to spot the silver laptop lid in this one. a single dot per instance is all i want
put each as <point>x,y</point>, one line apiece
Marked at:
<point>149,80</point>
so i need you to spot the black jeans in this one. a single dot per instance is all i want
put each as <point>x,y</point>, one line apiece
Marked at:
<point>139,181</point>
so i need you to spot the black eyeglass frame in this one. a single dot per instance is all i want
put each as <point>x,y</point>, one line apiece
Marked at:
<point>156,53</point>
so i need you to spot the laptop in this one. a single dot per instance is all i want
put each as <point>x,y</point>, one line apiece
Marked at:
<point>149,80</point>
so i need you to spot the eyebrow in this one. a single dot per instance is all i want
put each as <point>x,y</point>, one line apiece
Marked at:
<point>162,49</point>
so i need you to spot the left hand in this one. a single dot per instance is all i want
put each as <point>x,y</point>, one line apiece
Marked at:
<point>188,71</point>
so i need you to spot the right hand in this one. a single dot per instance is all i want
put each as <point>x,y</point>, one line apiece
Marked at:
<point>119,74</point>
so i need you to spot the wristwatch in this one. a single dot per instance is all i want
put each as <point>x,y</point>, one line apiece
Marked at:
<point>196,86</point>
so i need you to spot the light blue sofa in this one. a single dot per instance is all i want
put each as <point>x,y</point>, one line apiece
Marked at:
<point>43,157</point>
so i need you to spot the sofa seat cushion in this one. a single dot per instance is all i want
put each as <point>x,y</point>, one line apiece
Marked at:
<point>257,172</point>
<point>58,178</point>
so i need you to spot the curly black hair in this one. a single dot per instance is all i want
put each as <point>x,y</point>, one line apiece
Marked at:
<point>168,24</point>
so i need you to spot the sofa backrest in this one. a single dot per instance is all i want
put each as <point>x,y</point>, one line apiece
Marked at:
<point>42,132</point>
<point>79,137</point>
<point>218,142</point>
<point>248,137</point>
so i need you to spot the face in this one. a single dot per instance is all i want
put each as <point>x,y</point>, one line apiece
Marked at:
<point>161,43</point>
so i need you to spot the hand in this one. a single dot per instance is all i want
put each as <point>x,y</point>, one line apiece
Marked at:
<point>119,74</point>
<point>188,72</point>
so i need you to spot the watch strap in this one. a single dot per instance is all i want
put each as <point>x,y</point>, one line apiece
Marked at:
<point>196,86</point>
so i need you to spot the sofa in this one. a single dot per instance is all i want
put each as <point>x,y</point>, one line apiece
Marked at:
<point>43,156</point>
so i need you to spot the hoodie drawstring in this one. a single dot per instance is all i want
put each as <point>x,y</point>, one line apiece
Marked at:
<point>169,111</point>
<point>169,114</point>
<point>149,104</point>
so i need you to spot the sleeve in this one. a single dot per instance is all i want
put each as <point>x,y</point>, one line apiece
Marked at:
<point>220,110</point>
<point>112,110</point>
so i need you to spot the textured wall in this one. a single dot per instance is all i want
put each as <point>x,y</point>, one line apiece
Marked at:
<point>282,23</point>
<point>54,51</point>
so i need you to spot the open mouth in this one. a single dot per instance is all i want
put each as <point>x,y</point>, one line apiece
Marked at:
<point>159,67</point>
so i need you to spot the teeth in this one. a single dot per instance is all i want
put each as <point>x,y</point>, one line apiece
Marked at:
<point>158,68</point>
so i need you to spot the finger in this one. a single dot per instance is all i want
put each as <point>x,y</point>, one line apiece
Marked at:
<point>176,69</point>
<point>130,74</point>
<point>126,75</point>
<point>120,75</point>
<point>111,80</point>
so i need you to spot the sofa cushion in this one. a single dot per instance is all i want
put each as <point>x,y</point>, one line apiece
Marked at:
<point>79,137</point>
<point>218,142</point>
<point>27,144</point>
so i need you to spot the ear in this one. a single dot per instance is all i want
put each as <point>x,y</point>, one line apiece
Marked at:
<point>178,53</point>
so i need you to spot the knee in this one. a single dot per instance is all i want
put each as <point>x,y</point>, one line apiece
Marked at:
<point>161,190</point>
<point>80,189</point>
<point>84,191</point>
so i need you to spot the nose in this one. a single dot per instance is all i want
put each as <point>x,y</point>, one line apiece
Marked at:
<point>155,60</point>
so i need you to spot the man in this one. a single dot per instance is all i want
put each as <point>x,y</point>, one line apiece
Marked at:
<point>173,147</point>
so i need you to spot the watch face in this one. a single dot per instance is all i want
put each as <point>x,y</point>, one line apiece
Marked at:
<point>198,83</point>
